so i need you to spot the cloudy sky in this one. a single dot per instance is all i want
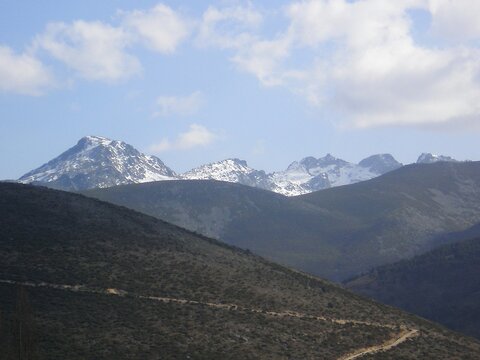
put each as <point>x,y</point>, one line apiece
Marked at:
<point>202,81</point>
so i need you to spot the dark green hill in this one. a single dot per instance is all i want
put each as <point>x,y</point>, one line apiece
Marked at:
<point>402,213</point>
<point>335,233</point>
<point>442,285</point>
<point>105,282</point>
<point>269,224</point>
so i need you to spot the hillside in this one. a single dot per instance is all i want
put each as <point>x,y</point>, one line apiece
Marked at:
<point>105,282</point>
<point>269,224</point>
<point>441,285</point>
<point>402,213</point>
<point>335,233</point>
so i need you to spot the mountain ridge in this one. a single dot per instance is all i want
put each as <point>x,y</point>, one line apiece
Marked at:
<point>97,161</point>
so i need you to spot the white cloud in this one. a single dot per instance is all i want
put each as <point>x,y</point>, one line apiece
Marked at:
<point>366,66</point>
<point>196,136</point>
<point>263,58</point>
<point>161,28</point>
<point>228,27</point>
<point>456,20</point>
<point>22,73</point>
<point>236,28</point>
<point>95,50</point>
<point>162,146</point>
<point>179,105</point>
<point>357,58</point>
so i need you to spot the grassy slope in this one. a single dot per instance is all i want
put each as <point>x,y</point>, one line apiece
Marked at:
<point>65,238</point>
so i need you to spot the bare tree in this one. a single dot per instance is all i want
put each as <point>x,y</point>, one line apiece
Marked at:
<point>23,327</point>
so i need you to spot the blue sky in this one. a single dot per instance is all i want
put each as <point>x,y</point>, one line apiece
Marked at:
<point>270,83</point>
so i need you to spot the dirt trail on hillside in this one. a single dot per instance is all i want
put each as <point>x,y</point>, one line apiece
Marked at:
<point>403,336</point>
<point>395,341</point>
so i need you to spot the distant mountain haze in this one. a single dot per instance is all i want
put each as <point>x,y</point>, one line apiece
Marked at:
<point>98,162</point>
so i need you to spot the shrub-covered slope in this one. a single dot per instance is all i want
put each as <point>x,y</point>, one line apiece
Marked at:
<point>106,282</point>
<point>442,285</point>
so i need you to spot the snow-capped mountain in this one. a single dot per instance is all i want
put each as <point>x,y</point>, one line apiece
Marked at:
<point>311,174</point>
<point>238,171</point>
<point>301,177</point>
<point>99,162</point>
<point>380,163</point>
<point>427,158</point>
<point>230,170</point>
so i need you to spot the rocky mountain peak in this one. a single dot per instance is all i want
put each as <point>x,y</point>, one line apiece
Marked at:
<point>380,163</point>
<point>428,158</point>
<point>97,161</point>
<point>310,162</point>
<point>95,140</point>
<point>230,170</point>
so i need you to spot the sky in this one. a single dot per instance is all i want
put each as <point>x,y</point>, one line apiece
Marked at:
<point>269,82</point>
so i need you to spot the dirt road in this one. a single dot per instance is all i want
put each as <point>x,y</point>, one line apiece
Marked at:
<point>403,336</point>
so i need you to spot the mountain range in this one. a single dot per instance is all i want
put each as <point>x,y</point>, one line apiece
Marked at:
<point>110,283</point>
<point>335,233</point>
<point>98,162</point>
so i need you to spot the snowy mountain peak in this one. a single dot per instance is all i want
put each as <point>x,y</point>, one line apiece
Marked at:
<point>428,158</point>
<point>95,140</point>
<point>310,162</point>
<point>91,141</point>
<point>301,177</point>
<point>97,161</point>
<point>311,174</point>
<point>231,170</point>
<point>329,158</point>
<point>380,163</point>
<point>237,162</point>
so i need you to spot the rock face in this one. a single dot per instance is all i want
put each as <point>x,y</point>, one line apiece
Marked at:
<point>99,162</point>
